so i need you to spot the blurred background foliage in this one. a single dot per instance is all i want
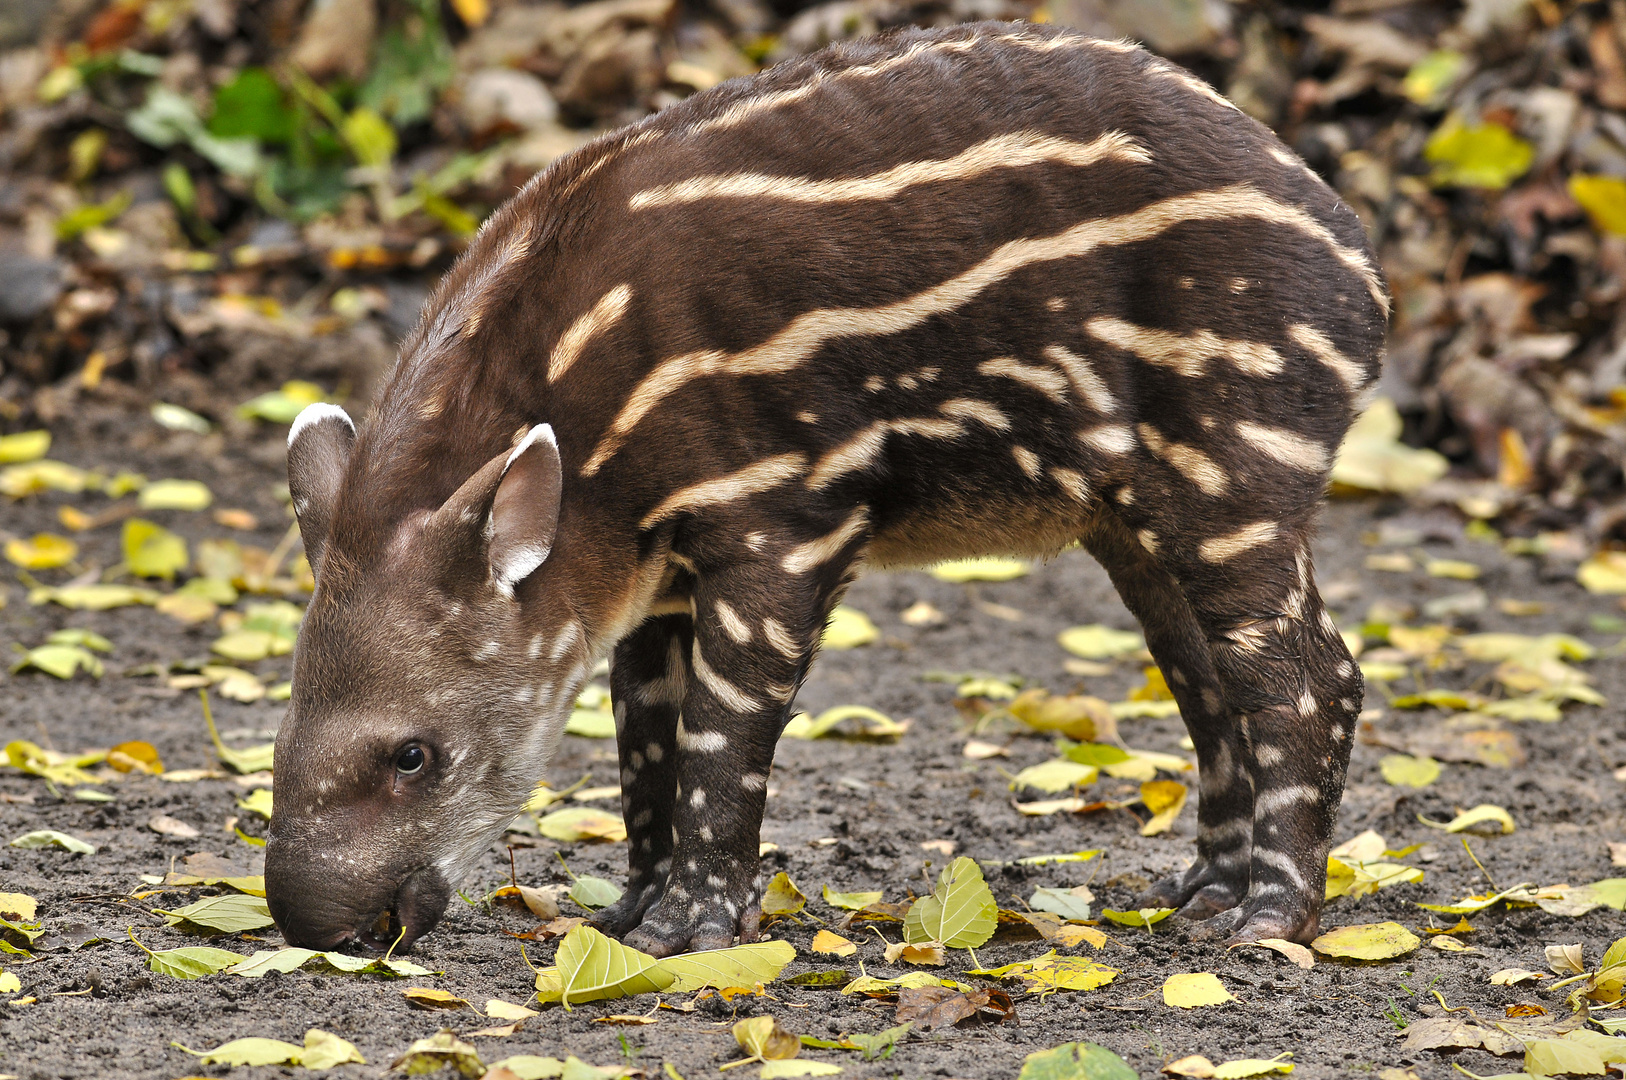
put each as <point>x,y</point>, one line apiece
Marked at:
<point>202,199</point>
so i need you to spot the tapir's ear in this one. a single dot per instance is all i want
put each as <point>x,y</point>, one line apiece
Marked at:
<point>525,512</point>
<point>319,446</point>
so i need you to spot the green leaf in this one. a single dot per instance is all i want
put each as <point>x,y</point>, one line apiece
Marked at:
<point>742,965</point>
<point>266,961</point>
<point>253,106</point>
<point>91,216</point>
<point>1098,642</point>
<point>593,967</point>
<point>850,901</point>
<point>1485,155</point>
<point>411,65</point>
<point>258,802</point>
<point>591,723</point>
<point>1055,775</point>
<point>192,962</point>
<point>62,661</point>
<point>370,137</point>
<point>176,495</point>
<point>960,913</point>
<point>75,635</point>
<point>93,597</point>
<point>785,1070</point>
<point>150,550</point>
<point>594,892</point>
<point>1076,1061</point>
<point>283,405</point>
<point>441,1049</point>
<point>232,913</point>
<point>44,838</point>
<point>248,1052</point>
<point>1063,902</point>
<point>1147,917</point>
<point>1430,80</point>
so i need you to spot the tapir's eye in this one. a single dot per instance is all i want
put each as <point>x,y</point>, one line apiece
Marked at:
<point>410,760</point>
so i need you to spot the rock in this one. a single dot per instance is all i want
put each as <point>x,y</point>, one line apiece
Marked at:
<point>502,97</point>
<point>28,286</point>
<point>335,38</point>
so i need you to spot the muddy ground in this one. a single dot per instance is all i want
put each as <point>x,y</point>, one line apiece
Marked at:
<point>880,803</point>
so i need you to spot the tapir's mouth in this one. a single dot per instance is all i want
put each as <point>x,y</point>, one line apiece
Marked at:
<point>419,904</point>
<point>317,920</point>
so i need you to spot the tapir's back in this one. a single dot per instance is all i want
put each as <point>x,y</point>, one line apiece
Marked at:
<point>912,267</point>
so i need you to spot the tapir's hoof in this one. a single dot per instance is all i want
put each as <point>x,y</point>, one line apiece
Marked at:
<point>628,911</point>
<point>1255,919</point>
<point>670,928</point>
<point>1198,893</point>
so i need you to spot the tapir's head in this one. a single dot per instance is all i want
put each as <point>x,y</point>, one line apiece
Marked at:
<point>425,704</point>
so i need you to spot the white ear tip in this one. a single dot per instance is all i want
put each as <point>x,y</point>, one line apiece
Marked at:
<point>315,414</point>
<point>539,433</point>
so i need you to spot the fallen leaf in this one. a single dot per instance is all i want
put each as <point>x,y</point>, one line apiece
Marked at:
<point>1076,1061</point>
<point>24,446</point>
<point>850,901</point>
<point>1373,941</point>
<point>1295,952</point>
<point>439,1051</point>
<point>1055,775</point>
<point>45,551</point>
<point>1077,716</point>
<point>594,892</point>
<point>1194,989</point>
<point>1483,814</point>
<point>787,1070</point>
<point>1403,770</point>
<point>175,495</point>
<point>1514,976</point>
<point>959,913</point>
<point>763,1039</point>
<point>44,838</point>
<point>981,569</point>
<point>230,913</point>
<point>577,823</point>
<point>1147,917</point>
<point>252,1051</point>
<point>168,826</point>
<point>848,628</point>
<point>426,997</point>
<point>977,750</point>
<point>1165,799</point>
<point>1604,573</point>
<point>782,897</point>
<point>59,661</point>
<point>926,953</point>
<point>872,724</point>
<point>189,963</point>
<point>1070,904</point>
<point>152,551</point>
<point>135,756</point>
<point>831,944</point>
<point>325,1050</point>
<point>742,965</point>
<point>929,1007</point>
<point>1372,457</point>
<point>1476,155</point>
<point>1097,642</point>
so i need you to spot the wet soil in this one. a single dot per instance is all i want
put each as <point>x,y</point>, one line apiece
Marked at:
<point>845,814</point>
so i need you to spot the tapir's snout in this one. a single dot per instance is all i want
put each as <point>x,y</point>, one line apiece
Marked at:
<point>316,908</point>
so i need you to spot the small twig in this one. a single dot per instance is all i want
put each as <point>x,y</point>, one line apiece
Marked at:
<point>1477,863</point>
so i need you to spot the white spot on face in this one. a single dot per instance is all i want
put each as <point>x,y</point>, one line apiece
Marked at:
<point>1028,461</point>
<point>1148,540</point>
<point>875,384</point>
<point>754,782</point>
<point>534,650</point>
<point>569,639</point>
<point>807,417</point>
<point>1056,303</point>
<point>488,651</point>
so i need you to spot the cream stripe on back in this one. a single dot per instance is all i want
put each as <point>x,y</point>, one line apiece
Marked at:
<point>758,477</point>
<point>1012,151</point>
<point>601,316</point>
<point>1186,354</point>
<point>807,333</point>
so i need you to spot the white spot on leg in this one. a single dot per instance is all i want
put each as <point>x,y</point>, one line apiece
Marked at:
<point>704,742</point>
<point>732,624</point>
<point>697,798</point>
<point>727,694</point>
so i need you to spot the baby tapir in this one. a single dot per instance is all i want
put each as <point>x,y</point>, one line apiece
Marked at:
<point>992,288</point>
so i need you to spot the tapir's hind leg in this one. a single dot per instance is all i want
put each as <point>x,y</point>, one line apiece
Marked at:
<point>1296,692</point>
<point>649,675</point>
<point>1218,880</point>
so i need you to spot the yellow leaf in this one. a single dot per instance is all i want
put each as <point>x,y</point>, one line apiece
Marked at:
<point>46,551</point>
<point>850,901</point>
<point>1192,990</point>
<point>1403,770</point>
<point>18,481</point>
<point>1485,155</point>
<point>498,1009</point>
<point>1295,952</point>
<point>175,495</point>
<point>472,12</point>
<point>135,756</point>
<point>425,997</point>
<point>985,569</point>
<point>592,966</point>
<point>742,965</point>
<point>1604,572</point>
<point>1165,799</point>
<point>1077,716</point>
<point>1244,1068</point>
<point>150,550</point>
<point>848,628</point>
<point>1056,775</point>
<point>782,897</point>
<point>576,823</point>
<point>831,944</point>
<point>764,1040</point>
<point>1373,941</point>
<point>1097,642</point>
<point>1373,458</point>
<point>18,907</point>
<point>24,446</point>
<point>1602,197</point>
<point>871,724</point>
<point>1430,79</point>
<point>1458,569</point>
<point>924,953</point>
<point>1479,815</point>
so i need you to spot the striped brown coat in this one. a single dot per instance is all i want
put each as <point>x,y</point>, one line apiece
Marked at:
<point>995,288</point>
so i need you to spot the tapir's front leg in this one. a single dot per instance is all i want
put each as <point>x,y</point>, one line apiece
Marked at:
<point>649,676</point>
<point>757,624</point>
